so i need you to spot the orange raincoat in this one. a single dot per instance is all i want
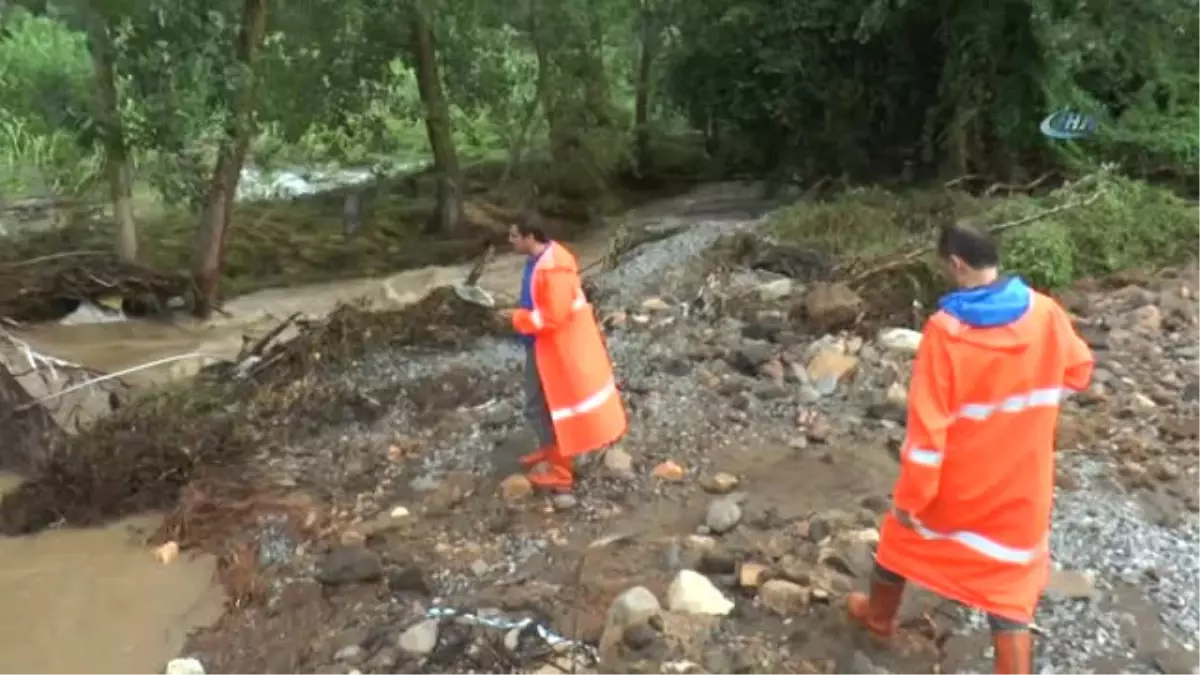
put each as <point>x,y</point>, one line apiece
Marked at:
<point>572,361</point>
<point>977,471</point>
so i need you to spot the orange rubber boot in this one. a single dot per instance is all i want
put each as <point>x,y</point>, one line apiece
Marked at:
<point>537,457</point>
<point>1014,652</point>
<point>877,612</point>
<point>555,474</point>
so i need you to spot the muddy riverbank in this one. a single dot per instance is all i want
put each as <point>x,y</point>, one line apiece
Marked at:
<point>760,454</point>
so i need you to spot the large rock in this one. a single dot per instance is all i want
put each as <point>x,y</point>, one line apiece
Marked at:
<point>629,622</point>
<point>833,305</point>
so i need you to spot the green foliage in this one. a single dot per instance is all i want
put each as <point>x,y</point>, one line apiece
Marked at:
<point>1123,223</point>
<point>1130,224</point>
<point>870,221</point>
<point>44,81</point>
<point>44,72</point>
<point>1043,254</point>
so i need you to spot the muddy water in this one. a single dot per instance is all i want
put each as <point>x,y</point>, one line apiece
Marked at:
<point>97,601</point>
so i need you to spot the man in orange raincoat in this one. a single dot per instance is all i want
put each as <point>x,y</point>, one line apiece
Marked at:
<point>571,397</point>
<point>970,517</point>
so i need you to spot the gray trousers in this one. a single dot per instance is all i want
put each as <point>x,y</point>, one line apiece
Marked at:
<point>536,410</point>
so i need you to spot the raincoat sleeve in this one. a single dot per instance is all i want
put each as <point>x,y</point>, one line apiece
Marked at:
<point>929,417</point>
<point>1079,361</point>
<point>553,294</point>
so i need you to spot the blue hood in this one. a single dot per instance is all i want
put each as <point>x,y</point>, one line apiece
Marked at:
<point>998,304</point>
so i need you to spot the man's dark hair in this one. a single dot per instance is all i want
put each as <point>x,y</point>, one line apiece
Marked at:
<point>529,224</point>
<point>974,246</point>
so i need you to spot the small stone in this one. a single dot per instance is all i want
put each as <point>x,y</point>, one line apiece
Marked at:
<point>186,666</point>
<point>349,564</point>
<point>1143,402</point>
<point>831,305</point>
<point>421,638</point>
<point>692,593</point>
<point>716,560</point>
<point>897,395</point>
<point>615,320</point>
<point>399,512</point>
<point>831,364</point>
<point>1166,470</point>
<point>722,515</point>
<point>349,654</point>
<point>1147,318</point>
<point>900,340</point>
<point>639,636</point>
<point>720,483</point>
<point>167,553</point>
<point>775,290</point>
<point>669,471</point>
<point>655,305</point>
<point>564,502</point>
<point>1071,584</point>
<point>772,370</point>
<point>515,488</point>
<point>618,462</point>
<point>783,597</point>
<point>809,393</point>
<point>480,568</point>
<point>751,575</point>
<point>632,606</point>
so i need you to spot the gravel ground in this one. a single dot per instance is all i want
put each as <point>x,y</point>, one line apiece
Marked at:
<point>678,414</point>
<point>1100,529</point>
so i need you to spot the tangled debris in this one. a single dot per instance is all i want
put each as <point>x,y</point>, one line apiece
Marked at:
<point>141,456</point>
<point>49,287</point>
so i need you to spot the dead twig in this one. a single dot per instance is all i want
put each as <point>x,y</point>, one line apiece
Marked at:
<point>52,256</point>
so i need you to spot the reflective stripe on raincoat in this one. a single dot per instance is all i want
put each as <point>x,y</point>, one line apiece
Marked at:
<point>572,360</point>
<point>977,466</point>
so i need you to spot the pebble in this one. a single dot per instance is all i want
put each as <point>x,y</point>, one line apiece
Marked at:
<point>515,488</point>
<point>669,471</point>
<point>421,638</point>
<point>692,593</point>
<point>722,515</point>
<point>185,666</point>
<point>783,597</point>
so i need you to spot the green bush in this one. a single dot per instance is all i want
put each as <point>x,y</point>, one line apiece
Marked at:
<point>1042,253</point>
<point>1130,224</point>
<point>870,220</point>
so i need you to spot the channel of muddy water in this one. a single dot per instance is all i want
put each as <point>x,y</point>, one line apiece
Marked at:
<point>98,600</point>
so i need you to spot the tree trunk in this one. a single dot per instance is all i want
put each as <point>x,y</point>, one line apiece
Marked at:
<point>112,135</point>
<point>437,124</point>
<point>641,105</point>
<point>28,428</point>
<point>231,156</point>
